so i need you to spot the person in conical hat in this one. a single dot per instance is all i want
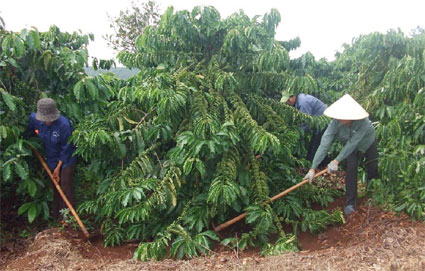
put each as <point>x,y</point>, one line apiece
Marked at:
<point>353,128</point>
<point>312,106</point>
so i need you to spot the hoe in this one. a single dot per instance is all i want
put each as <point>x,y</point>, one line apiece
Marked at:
<point>56,184</point>
<point>278,196</point>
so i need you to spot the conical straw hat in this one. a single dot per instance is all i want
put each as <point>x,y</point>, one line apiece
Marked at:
<point>285,97</point>
<point>346,108</point>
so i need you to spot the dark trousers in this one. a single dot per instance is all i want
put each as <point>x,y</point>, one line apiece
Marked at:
<point>67,185</point>
<point>314,145</point>
<point>371,156</point>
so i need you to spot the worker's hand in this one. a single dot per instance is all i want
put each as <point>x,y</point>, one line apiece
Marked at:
<point>309,176</point>
<point>57,173</point>
<point>333,167</point>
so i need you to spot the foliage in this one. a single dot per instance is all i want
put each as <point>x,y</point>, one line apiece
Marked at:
<point>183,135</point>
<point>387,75</point>
<point>291,44</point>
<point>198,135</point>
<point>130,24</point>
<point>282,245</point>
<point>34,65</point>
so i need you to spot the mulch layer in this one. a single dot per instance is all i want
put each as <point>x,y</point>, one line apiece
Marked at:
<point>371,239</point>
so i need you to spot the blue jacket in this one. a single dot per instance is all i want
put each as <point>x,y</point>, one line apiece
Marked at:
<point>310,105</point>
<point>55,140</point>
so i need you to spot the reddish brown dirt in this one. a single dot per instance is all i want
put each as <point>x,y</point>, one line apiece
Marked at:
<point>338,235</point>
<point>370,240</point>
<point>14,228</point>
<point>94,247</point>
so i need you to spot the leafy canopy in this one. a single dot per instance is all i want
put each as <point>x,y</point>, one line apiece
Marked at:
<point>182,136</point>
<point>130,24</point>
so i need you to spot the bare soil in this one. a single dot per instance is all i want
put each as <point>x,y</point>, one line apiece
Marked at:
<point>371,239</point>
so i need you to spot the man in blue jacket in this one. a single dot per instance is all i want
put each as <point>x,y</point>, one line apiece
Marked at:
<point>54,131</point>
<point>312,106</point>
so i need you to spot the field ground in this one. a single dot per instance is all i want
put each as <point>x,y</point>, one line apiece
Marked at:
<point>371,239</point>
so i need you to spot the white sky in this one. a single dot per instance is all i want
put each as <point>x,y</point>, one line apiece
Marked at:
<point>322,25</point>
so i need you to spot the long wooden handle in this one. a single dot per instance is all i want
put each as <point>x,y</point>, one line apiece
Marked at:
<point>278,196</point>
<point>65,199</point>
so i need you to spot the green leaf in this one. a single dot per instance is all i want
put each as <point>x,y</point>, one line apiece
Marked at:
<point>137,195</point>
<point>121,146</point>
<point>19,47</point>
<point>201,168</point>
<point>8,99</point>
<point>400,208</point>
<point>45,210</point>
<point>35,39</point>
<point>92,90</point>
<point>7,172</point>
<point>7,45</point>
<point>32,213</point>
<point>78,88</point>
<point>47,57</point>
<point>187,167</point>
<point>228,241</point>
<point>32,188</point>
<point>21,171</point>
<point>24,208</point>
<point>13,62</point>
<point>212,235</point>
<point>126,199</point>
<point>211,146</point>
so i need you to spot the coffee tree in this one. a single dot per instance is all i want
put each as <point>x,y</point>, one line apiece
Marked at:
<point>199,136</point>
<point>34,65</point>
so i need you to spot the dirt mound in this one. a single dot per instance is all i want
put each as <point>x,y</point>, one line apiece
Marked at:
<point>49,251</point>
<point>370,240</point>
<point>59,249</point>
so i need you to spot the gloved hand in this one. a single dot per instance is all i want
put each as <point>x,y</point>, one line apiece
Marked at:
<point>309,176</point>
<point>333,167</point>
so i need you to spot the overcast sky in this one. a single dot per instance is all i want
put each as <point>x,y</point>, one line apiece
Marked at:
<point>322,25</point>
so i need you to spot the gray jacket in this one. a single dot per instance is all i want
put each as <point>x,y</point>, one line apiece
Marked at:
<point>359,136</point>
